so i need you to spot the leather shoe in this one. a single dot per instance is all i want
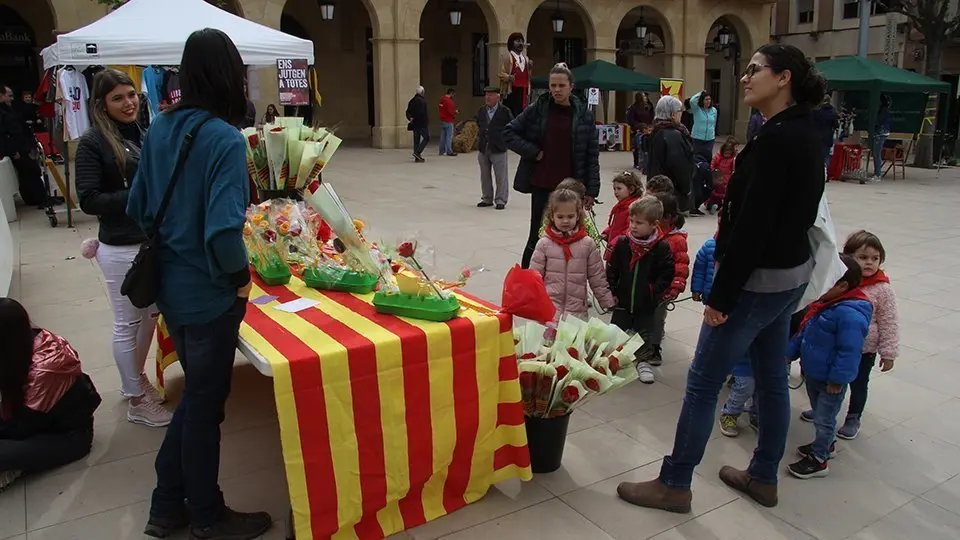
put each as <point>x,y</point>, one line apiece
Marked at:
<point>484,204</point>
<point>501,206</point>
<point>656,494</point>
<point>764,494</point>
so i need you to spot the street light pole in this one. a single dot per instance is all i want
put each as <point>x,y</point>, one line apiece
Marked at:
<point>864,28</point>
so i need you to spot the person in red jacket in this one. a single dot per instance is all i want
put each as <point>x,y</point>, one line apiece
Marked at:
<point>627,187</point>
<point>671,228</point>
<point>722,166</point>
<point>448,114</point>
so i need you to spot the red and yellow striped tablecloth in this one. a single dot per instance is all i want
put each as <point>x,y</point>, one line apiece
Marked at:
<point>387,422</point>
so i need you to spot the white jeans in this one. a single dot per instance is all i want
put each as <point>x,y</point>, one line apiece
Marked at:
<point>132,327</point>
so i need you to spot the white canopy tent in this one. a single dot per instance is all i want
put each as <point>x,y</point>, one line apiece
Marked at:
<point>152,32</point>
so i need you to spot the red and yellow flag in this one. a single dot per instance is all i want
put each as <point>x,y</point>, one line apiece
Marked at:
<point>387,422</point>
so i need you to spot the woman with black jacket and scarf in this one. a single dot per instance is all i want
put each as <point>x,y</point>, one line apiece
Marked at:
<point>763,266</point>
<point>556,138</point>
<point>107,158</point>
<point>670,150</point>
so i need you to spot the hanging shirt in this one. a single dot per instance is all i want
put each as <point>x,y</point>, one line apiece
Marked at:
<point>75,97</point>
<point>171,87</point>
<point>153,78</point>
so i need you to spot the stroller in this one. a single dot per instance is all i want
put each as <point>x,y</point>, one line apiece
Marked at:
<point>51,200</point>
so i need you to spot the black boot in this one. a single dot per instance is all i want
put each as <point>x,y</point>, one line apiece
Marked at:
<point>234,525</point>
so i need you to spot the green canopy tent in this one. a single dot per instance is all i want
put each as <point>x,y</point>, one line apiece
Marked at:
<point>606,76</point>
<point>857,74</point>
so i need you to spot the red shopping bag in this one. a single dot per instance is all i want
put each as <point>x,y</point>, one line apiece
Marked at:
<point>525,295</point>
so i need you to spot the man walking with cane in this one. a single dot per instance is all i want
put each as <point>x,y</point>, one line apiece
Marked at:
<point>492,150</point>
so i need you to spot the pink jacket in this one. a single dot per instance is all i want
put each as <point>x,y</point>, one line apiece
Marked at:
<point>566,281</point>
<point>884,335</point>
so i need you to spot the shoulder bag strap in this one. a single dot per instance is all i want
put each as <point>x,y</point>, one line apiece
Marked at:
<point>181,159</point>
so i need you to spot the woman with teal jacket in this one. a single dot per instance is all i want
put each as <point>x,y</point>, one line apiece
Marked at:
<point>704,131</point>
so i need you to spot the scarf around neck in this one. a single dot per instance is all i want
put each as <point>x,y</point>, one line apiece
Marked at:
<point>817,307</point>
<point>621,206</point>
<point>639,247</point>
<point>565,239</point>
<point>671,124</point>
<point>879,277</point>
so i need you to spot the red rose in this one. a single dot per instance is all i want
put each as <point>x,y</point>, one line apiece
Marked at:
<point>573,352</point>
<point>570,394</point>
<point>406,249</point>
<point>601,369</point>
<point>466,273</point>
<point>562,372</point>
<point>592,384</point>
<point>528,379</point>
<point>528,356</point>
<point>254,140</point>
<point>614,365</point>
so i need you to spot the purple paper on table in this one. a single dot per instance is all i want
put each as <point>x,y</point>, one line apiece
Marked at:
<point>265,299</point>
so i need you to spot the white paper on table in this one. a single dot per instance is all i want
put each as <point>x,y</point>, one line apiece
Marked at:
<point>297,305</point>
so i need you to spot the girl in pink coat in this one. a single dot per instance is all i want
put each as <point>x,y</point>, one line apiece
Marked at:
<point>568,258</point>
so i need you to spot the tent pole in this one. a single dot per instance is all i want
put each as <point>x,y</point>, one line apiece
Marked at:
<point>66,171</point>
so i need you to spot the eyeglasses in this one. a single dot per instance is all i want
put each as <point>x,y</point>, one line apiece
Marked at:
<point>752,70</point>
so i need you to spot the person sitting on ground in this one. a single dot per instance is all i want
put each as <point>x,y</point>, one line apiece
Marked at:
<point>627,187</point>
<point>46,401</point>
<point>829,345</point>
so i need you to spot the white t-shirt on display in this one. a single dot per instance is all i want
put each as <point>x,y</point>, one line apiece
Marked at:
<point>75,98</point>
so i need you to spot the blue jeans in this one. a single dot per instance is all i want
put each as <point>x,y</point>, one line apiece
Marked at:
<point>188,463</point>
<point>446,138</point>
<point>878,141</point>
<point>742,390</point>
<point>758,326</point>
<point>825,407</point>
<point>421,137</point>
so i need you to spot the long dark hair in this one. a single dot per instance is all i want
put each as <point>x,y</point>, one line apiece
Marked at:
<point>104,83</point>
<point>807,86</point>
<point>17,335</point>
<point>212,76</point>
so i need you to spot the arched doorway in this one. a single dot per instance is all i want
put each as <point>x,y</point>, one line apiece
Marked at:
<point>644,44</point>
<point>726,41</point>
<point>455,53</point>
<point>558,31</point>
<point>344,59</point>
<point>26,28</point>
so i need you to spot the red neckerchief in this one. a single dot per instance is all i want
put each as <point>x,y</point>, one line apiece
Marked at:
<point>818,306</point>
<point>879,277</point>
<point>639,247</point>
<point>565,239</point>
<point>621,206</point>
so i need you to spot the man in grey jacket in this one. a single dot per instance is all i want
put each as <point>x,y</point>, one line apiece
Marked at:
<point>492,118</point>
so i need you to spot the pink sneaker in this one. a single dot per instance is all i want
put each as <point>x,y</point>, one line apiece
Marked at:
<point>149,390</point>
<point>149,413</point>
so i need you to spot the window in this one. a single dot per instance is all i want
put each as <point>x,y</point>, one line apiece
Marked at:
<point>804,11</point>
<point>481,63</point>
<point>851,9</point>
<point>876,8</point>
<point>569,50</point>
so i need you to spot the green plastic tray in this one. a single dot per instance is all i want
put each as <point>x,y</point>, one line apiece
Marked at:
<point>427,308</point>
<point>337,280</point>
<point>274,273</point>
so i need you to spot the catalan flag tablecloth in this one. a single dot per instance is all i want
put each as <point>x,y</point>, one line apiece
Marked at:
<point>386,422</point>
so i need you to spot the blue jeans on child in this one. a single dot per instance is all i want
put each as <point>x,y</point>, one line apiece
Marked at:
<point>878,141</point>
<point>740,393</point>
<point>446,138</point>
<point>759,325</point>
<point>825,407</point>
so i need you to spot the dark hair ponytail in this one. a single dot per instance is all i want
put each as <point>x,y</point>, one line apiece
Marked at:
<point>806,84</point>
<point>15,362</point>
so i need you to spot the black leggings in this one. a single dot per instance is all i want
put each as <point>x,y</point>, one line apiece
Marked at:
<point>538,203</point>
<point>858,388</point>
<point>46,450</point>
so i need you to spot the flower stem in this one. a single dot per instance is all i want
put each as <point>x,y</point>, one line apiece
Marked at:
<point>422,271</point>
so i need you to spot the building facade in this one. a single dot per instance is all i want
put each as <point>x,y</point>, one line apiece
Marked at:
<point>372,54</point>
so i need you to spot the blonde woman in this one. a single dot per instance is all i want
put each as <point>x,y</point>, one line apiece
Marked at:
<point>107,159</point>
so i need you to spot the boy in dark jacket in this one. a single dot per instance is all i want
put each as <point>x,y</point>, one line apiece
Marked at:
<point>829,344</point>
<point>640,273</point>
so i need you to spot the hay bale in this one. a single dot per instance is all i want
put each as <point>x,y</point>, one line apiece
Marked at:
<point>465,139</point>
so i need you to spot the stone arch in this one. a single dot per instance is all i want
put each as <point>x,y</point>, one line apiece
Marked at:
<point>746,36</point>
<point>409,23</point>
<point>527,8</point>
<point>31,26</point>
<point>722,67</point>
<point>631,53</point>
<point>269,12</point>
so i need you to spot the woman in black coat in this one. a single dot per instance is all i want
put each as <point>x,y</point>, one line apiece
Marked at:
<point>763,266</point>
<point>556,138</point>
<point>670,150</point>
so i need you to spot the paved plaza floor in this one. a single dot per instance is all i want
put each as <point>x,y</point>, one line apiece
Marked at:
<point>900,479</point>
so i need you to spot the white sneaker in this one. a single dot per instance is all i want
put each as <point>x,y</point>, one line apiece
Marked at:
<point>645,373</point>
<point>149,413</point>
<point>149,390</point>
<point>703,208</point>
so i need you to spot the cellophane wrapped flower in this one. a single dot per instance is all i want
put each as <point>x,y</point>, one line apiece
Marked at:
<point>582,360</point>
<point>261,237</point>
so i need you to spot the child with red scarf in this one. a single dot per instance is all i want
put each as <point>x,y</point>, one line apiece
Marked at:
<point>568,259</point>
<point>640,273</point>
<point>829,342</point>
<point>884,336</point>
<point>627,187</point>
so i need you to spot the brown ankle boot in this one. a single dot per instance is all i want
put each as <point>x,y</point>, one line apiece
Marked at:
<point>656,494</point>
<point>764,494</point>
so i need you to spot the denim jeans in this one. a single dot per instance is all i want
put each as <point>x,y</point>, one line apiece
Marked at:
<point>757,326</point>
<point>421,137</point>
<point>188,464</point>
<point>825,408</point>
<point>740,393</point>
<point>446,138</point>
<point>878,141</point>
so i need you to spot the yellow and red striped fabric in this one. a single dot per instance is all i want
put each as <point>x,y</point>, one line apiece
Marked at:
<point>387,422</point>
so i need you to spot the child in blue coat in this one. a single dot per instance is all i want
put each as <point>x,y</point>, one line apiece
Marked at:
<point>829,345</point>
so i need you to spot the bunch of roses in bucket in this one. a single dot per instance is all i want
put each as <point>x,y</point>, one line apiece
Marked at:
<point>583,359</point>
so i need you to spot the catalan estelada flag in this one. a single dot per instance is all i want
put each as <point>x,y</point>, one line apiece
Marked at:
<point>387,422</point>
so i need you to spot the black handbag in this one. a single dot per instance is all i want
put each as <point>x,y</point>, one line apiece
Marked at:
<point>142,282</point>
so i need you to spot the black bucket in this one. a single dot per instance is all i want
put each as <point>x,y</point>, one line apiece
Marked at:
<point>546,438</point>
